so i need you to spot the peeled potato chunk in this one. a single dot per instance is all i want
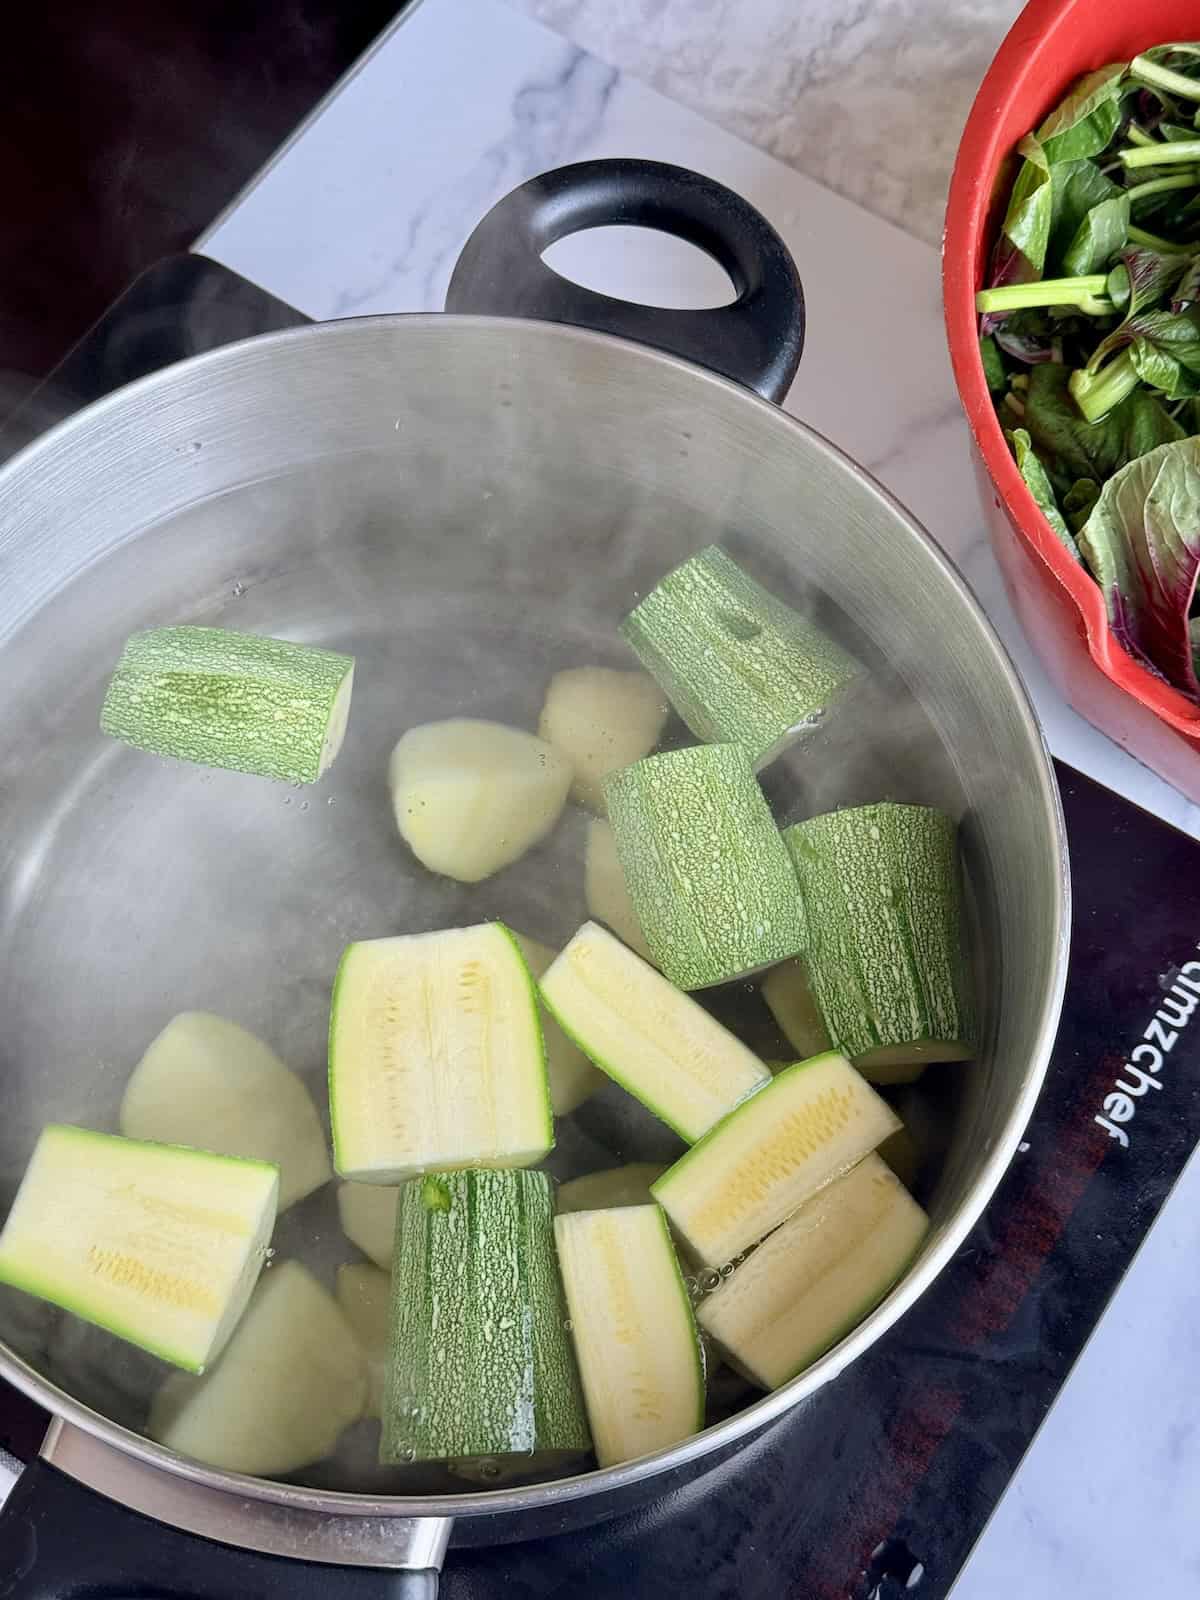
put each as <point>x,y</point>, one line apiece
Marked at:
<point>614,1186</point>
<point>472,797</point>
<point>291,1378</point>
<point>365,1296</point>
<point>368,1215</point>
<point>208,1083</point>
<point>606,892</point>
<point>600,720</point>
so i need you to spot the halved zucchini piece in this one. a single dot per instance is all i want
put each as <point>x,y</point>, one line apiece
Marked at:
<point>808,1126</point>
<point>368,1217</point>
<point>291,1380</point>
<point>207,1082</point>
<point>886,953</point>
<point>601,720</point>
<point>436,1057</point>
<point>471,797</point>
<point>654,1041</point>
<point>480,1363</point>
<point>364,1295</point>
<point>605,889</point>
<point>572,1076</point>
<point>227,699</point>
<point>633,1328</point>
<point>159,1244</point>
<point>708,874</point>
<point>736,663</point>
<point>614,1186</point>
<point>818,1275</point>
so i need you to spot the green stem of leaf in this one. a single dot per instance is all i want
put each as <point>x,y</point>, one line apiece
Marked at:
<point>1181,180</point>
<point>1154,241</point>
<point>1047,292</point>
<point>1097,393</point>
<point>1139,136</point>
<point>1161,155</point>
<point>1163,78</point>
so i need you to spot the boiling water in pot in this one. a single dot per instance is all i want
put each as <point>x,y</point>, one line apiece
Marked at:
<point>133,888</point>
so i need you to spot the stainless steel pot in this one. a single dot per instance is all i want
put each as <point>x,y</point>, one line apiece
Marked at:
<point>467,503</point>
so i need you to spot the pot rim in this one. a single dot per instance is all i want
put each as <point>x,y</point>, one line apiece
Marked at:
<point>944,1244</point>
<point>982,154</point>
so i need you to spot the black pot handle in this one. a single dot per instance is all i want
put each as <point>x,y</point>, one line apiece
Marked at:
<point>756,340</point>
<point>59,1538</point>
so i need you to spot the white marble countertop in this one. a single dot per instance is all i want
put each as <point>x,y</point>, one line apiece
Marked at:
<point>366,210</point>
<point>867,97</point>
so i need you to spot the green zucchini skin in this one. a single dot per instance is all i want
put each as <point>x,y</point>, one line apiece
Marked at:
<point>708,874</point>
<point>737,664</point>
<point>226,699</point>
<point>886,951</point>
<point>480,1360</point>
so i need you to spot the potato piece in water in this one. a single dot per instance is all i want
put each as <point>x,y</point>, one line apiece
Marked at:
<point>208,1083</point>
<point>902,1154</point>
<point>614,1186</point>
<point>789,997</point>
<point>291,1379</point>
<point>365,1296</point>
<point>606,892</point>
<point>600,720</point>
<point>368,1213</point>
<point>472,797</point>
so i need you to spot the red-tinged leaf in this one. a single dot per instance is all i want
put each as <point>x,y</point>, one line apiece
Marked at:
<point>1142,542</point>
